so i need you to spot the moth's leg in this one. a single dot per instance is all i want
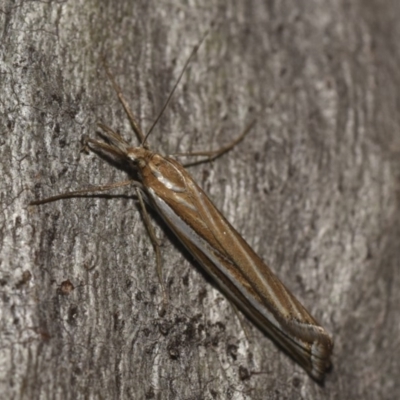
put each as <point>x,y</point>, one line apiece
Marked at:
<point>156,246</point>
<point>86,191</point>
<point>242,321</point>
<point>213,154</point>
<point>134,123</point>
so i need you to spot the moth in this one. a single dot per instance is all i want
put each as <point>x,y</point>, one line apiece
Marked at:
<point>165,185</point>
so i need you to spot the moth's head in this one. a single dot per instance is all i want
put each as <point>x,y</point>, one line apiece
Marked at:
<point>138,156</point>
<point>116,147</point>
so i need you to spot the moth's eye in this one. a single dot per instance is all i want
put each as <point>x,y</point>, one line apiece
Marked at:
<point>132,159</point>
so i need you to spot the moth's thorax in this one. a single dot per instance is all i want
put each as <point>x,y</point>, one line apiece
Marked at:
<point>159,172</point>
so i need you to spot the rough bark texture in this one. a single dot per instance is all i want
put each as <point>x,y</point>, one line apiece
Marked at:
<point>314,188</point>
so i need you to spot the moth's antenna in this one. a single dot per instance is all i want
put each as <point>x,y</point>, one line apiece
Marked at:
<point>194,51</point>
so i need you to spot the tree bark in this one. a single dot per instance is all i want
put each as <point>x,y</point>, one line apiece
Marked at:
<point>314,189</point>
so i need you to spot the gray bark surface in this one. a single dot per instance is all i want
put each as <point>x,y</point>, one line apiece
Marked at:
<point>314,189</point>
